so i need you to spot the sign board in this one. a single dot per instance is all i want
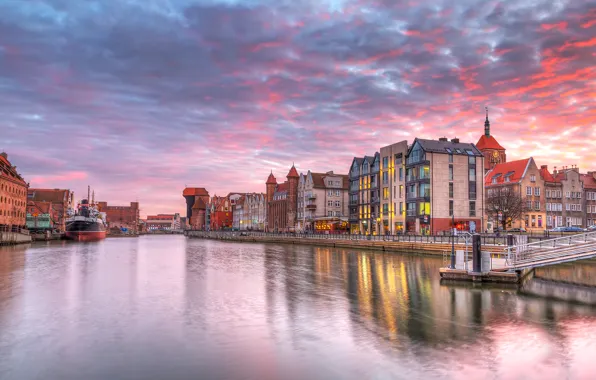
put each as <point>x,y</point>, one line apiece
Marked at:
<point>485,262</point>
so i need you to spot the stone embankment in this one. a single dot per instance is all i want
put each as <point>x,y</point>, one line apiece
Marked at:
<point>431,245</point>
<point>10,238</point>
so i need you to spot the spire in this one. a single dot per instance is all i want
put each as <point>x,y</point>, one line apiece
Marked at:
<point>271,179</point>
<point>293,173</point>
<point>486,124</point>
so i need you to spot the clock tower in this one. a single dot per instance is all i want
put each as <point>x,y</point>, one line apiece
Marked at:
<point>493,152</point>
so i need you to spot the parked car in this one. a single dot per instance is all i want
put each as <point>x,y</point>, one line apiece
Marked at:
<point>517,230</point>
<point>591,228</point>
<point>573,229</point>
<point>558,229</point>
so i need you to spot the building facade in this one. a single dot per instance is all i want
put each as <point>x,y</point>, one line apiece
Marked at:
<point>523,178</point>
<point>197,199</point>
<point>392,192</point>
<point>221,213</point>
<point>60,200</point>
<point>444,187</point>
<point>492,151</point>
<point>323,202</point>
<point>121,216</point>
<point>163,222</point>
<point>13,196</point>
<point>255,212</point>
<point>238,218</point>
<point>282,202</point>
<point>364,174</point>
<point>589,181</point>
<point>553,195</point>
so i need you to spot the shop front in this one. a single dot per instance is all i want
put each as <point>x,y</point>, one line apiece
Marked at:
<point>332,226</point>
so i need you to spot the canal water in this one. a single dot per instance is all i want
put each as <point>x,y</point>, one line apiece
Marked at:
<point>164,307</point>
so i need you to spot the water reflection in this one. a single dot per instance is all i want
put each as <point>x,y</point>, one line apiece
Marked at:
<point>166,307</point>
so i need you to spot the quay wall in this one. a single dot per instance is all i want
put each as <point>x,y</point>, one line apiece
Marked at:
<point>10,238</point>
<point>440,247</point>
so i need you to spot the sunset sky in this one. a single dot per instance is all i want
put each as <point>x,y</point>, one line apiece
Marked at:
<point>139,98</point>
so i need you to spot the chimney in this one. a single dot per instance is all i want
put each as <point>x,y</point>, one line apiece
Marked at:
<point>545,167</point>
<point>443,139</point>
<point>555,171</point>
<point>3,154</point>
<point>455,140</point>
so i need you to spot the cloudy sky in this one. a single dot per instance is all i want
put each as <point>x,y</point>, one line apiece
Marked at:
<point>139,98</point>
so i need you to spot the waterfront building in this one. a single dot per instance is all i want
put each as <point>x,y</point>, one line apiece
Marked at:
<point>220,214</point>
<point>521,177</point>
<point>121,216</point>
<point>573,197</point>
<point>589,181</point>
<point>41,216</point>
<point>444,185</point>
<point>323,202</point>
<point>282,202</point>
<point>255,212</point>
<point>553,195</point>
<point>197,213</point>
<point>183,223</point>
<point>13,196</point>
<point>364,193</point>
<point>492,151</point>
<point>60,201</point>
<point>238,218</point>
<point>392,192</point>
<point>163,222</point>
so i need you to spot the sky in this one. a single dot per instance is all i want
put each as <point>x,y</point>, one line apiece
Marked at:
<point>140,98</point>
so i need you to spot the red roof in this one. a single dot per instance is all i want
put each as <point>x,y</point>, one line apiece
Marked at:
<point>545,174</point>
<point>199,204</point>
<point>194,191</point>
<point>271,179</point>
<point>515,169</point>
<point>282,187</point>
<point>293,173</point>
<point>488,142</point>
<point>589,180</point>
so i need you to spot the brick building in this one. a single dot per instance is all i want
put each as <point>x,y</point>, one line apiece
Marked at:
<point>364,195</point>
<point>589,181</point>
<point>444,184</point>
<point>282,202</point>
<point>323,202</point>
<point>13,196</point>
<point>221,214</point>
<point>121,216</point>
<point>523,178</point>
<point>197,200</point>
<point>492,151</point>
<point>60,201</point>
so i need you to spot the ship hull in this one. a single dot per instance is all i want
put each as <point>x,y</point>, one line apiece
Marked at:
<point>85,230</point>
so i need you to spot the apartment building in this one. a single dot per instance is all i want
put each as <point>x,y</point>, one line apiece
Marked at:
<point>589,181</point>
<point>364,194</point>
<point>323,202</point>
<point>392,192</point>
<point>444,187</point>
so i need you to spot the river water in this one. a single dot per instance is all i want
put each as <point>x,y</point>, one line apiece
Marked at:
<point>164,307</point>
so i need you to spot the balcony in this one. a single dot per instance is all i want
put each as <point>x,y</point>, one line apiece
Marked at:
<point>311,207</point>
<point>375,200</point>
<point>353,203</point>
<point>411,212</point>
<point>312,196</point>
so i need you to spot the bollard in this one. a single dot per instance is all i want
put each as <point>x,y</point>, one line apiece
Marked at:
<point>476,253</point>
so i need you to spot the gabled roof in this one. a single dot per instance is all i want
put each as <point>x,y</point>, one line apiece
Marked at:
<point>546,175</point>
<point>514,169</point>
<point>589,180</point>
<point>282,187</point>
<point>488,142</point>
<point>9,171</point>
<point>438,146</point>
<point>39,207</point>
<point>189,191</point>
<point>48,195</point>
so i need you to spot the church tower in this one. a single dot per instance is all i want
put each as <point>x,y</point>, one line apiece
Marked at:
<point>293,179</point>
<point>493,152</point>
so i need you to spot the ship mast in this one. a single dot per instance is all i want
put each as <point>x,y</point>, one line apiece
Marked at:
<point>93,198</point>
<point>88,193</point>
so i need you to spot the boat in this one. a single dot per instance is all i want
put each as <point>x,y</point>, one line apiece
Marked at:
<point>86,222</point>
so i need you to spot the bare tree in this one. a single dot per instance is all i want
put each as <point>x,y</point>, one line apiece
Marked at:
<point>507,202</point>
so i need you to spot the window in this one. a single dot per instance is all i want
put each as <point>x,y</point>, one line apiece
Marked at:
<point>424,172</point>
<point>337,204</point>
<point>579,195</point>
<point>533,220</point>
<point>472,174</point>
<point>385,209</point>
<point>451,190</point>
<point>529,205</point>
<point>567,194</point>
<point>329,193</point>
<point>494,180</point>
<point>401,174</point>
<point>329,203</point>
<point>548,207</point>
<point>579,207</point>
<point>329,183</point>
<point>401,190</point>
<point>385,177</point>
<point>450,157</point>
<point>537,191</point>
<point>385,193</point>
<point>507,178</point>
<point>472,190</point>
<point>548,193</point>
<point>401,207</point>
<point>537,205</point>
<point>451,172</point>
<point>329,213</point>
<point>337,193</point>
<point>472,208</point>
<point>529,190</point>
<point>532,178</point>
<point>567,207</point>
<point>424,208</point>
<point>450,208</point>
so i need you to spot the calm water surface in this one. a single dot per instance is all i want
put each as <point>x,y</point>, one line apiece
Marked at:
<point>163,307</point>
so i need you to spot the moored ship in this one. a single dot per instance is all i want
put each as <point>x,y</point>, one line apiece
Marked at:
<point>86,223</point>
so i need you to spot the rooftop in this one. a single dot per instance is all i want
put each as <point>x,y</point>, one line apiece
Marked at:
<point>513,170</point>
<point>488,142</point>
